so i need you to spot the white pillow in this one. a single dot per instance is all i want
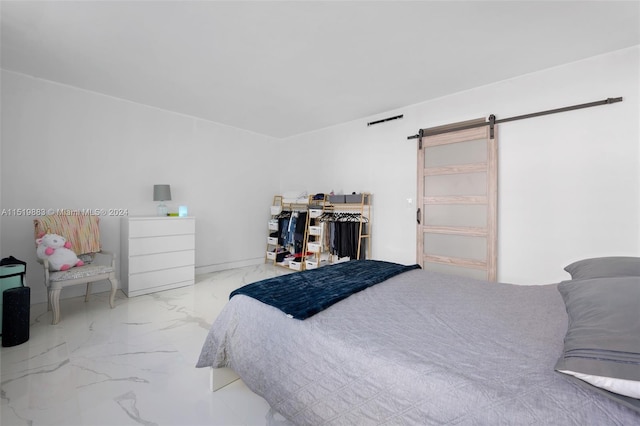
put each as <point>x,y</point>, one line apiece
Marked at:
<point>624,387</point>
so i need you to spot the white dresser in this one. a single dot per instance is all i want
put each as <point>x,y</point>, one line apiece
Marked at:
<point>158,253</point>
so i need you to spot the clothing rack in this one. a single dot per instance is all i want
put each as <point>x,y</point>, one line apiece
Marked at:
<point>338,216</point>
<point>322,221</point>
<point>285,214</point>
<point>353,212</point>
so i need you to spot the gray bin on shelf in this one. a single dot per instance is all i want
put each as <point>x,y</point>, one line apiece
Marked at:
<point>337,199</point>
<point>356,198</point>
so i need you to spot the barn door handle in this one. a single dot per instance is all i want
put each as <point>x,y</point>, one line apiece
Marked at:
<point>418,216</point>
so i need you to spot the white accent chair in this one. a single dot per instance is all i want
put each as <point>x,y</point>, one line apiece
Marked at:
<point>74,229</point>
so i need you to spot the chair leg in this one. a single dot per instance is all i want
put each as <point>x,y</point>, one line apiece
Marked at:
<point>114,288</point>
<point>86,296</point>
<point>54,301</point>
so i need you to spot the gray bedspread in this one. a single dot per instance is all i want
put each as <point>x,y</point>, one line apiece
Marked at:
<point>418,349</point>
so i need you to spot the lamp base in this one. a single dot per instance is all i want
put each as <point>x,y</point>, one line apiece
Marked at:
<point>162,210</point>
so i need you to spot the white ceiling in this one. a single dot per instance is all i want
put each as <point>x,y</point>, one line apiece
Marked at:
<point>285,68</point>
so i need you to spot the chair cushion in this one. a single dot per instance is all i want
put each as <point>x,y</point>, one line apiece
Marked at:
<point>87,257</point>
<point>80,272</point>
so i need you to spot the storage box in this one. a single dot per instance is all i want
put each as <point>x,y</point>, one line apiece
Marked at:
<point>276,210</point>
<point>337,199</point>
<point>314,247</point>
<point>296,266</point>
<point>356,198</point>
<point>271,255</point>
<point>314,213</point>
<point>314,264</point>
<point>315,230</point>
<point>273,225</point>
<point>272,240</point>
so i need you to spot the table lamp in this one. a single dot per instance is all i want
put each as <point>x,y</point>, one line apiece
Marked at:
<point>162,193</point>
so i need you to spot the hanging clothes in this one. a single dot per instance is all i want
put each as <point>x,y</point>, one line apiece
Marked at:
<point>292,226</point>
<point>298,232</point>
<point>344,233</point>
<point>283,226</point>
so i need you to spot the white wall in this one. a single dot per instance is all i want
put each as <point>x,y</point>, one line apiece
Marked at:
<point>568,183</point>
<point>68,148</point>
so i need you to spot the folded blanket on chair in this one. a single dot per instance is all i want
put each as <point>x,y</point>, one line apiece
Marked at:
<point>82,231</point>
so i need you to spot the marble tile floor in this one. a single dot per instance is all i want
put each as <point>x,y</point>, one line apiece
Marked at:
<point>131,365</point>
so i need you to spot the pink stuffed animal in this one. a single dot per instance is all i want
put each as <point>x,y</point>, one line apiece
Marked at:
<point>56,250</point>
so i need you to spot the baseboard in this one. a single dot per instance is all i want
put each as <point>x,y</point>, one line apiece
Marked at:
<point>228,265</point>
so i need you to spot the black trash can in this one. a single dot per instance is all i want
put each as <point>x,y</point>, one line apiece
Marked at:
<point>15,302</point>
<point>15,315</point>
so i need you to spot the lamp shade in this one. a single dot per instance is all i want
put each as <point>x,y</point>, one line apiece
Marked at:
<point>161,192</point>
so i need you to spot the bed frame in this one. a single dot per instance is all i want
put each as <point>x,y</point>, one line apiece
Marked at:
<point>221,377</point>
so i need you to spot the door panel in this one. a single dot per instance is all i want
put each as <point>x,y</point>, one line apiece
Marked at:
<point>444,268</point>
<point>455,184</point>
<point>467,153</point>
<point>451,245</point>
<point>457,196</point>
<point>455,215</point>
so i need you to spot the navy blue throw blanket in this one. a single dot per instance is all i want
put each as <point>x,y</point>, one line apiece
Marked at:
<point>304,294</point>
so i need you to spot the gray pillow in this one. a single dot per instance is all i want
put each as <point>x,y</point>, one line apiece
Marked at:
<point>603,267</point>
<point>603,336</point>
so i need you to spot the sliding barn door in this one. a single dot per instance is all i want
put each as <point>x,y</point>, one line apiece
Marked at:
<point>457,201</point>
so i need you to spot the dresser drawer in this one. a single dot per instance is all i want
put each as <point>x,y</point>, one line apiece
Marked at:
<point>151,245</point>
<point>161,227</point>
<point>160,261</point>
<point>150,280</point>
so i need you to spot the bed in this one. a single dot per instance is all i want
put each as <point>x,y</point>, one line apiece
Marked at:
<point>426,348</point>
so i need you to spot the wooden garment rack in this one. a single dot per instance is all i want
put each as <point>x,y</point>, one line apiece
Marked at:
<point>363,210</point>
